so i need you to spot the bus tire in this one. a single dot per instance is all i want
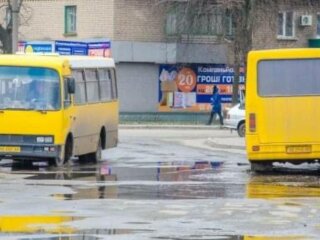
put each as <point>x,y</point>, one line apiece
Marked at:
<point>241,129</point>
<point>94,156</point>
<point>66,155</point>
<point>261,166</point>
<point>97,155</point>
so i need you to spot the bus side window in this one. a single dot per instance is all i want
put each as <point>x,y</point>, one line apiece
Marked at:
<point>114,86</point>
<point>92,85</point>
<point>67,96</point>
<point>105,85</point>
<point>80,93</point>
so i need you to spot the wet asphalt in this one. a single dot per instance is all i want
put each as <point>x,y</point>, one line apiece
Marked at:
<point>160,184</point>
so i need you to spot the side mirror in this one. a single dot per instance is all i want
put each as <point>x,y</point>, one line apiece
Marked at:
<point>71,85</point>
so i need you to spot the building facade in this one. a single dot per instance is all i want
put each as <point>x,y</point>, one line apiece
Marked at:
<point>149,36</point>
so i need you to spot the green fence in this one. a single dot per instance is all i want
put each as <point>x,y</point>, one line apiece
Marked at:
<point>165,118</point>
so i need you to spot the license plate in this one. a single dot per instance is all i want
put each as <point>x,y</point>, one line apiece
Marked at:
<point>10,149</point>
<point>299,149</point>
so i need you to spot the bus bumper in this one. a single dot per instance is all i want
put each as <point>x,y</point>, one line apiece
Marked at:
<point>30,152</point>
<point>294,153</point>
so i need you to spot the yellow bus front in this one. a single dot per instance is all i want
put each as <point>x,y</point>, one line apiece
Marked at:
<point>282,105</point>
<point>33,124</point>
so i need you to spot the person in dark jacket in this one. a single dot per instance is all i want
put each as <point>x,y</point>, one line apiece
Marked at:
<point>216,106</point>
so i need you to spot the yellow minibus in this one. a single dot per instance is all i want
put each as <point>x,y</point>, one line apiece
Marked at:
<point>282,107</point>
<point>56,107</point>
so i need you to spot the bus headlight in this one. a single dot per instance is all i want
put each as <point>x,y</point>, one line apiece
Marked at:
<point>40,139</point>
<point>44,139</point>
<point>48,139</point>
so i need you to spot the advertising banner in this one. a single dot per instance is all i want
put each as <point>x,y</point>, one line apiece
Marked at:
<point>101,48</point>
<point>36,47</point>
<point>190,87</point>
<point>71,48</point>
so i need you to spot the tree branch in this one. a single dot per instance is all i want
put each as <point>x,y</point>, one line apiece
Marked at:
<point>19,5</point>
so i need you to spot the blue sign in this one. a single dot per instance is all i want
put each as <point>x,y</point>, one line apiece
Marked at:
<point>39,48</point>
<point>93,47</point>
<point>99,45</point>
<point>71,48</point>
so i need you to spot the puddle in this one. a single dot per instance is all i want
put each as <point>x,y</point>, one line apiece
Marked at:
<point>92,234</point>
<point>159,171</point>
<point>286,186</point>
<point>276,238</point>
<point>233,237</point>
<point>35,224</point>
<point>161,180</point>
<point>54,224</point>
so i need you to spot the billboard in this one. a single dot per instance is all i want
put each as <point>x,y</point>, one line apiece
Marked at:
<point>190,87</point>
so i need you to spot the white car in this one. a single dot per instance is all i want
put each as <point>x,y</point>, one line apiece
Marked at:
<point>235,119</point>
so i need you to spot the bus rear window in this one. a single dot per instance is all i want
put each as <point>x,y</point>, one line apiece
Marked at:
<point>294,77</point>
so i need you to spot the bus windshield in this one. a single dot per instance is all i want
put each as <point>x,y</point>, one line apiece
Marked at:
<point>29,88</point>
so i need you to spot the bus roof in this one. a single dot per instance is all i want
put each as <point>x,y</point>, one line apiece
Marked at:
<point>286,52</point>
<point>30,60</point>
<point>89,62</point>
<point>46,60</point>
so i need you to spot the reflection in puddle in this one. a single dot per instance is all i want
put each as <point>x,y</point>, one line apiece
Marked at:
<point>182,172</point>
<point>275,238</point>
<point>54,225</point>
<point>35,224</point>
<point>233,237</point>
<point>283,187</point>
<point>162,180</point>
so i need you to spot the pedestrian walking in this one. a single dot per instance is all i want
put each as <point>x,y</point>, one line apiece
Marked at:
<point>216,106</point>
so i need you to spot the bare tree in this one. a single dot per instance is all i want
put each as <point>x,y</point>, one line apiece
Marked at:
<point>7,25</point>
<point>244,14</point>
<point>233,25</point>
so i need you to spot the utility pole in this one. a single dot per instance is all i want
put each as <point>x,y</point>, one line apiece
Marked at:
<point>15,24</point>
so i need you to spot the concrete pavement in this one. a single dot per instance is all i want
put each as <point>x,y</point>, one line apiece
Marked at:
<point>221,138</point>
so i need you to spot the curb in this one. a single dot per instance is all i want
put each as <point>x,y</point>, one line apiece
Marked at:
<point>159,126</point>
<point>212,143</point>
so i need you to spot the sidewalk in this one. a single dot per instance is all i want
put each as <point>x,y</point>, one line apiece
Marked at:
<point>224,140</point>
<point>235,142</point>
<point>167,126</point>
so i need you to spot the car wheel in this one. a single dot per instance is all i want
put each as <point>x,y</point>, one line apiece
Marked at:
<point>242,129</point>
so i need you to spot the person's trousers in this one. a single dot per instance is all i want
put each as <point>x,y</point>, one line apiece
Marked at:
<point>212,114</point>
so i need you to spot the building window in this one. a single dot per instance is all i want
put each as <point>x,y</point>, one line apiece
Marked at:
<point>285,25</point>
<point>70,20</point>
<point>171,24</point>
<point>203,22</point>
<point>229,25</point>
<point>208,23</point>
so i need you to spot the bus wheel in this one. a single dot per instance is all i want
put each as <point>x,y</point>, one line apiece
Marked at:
<point>66,156</point>
<point>261,166</point>
<point>94,156</point>
<point>97,156</point>
<point>241,129</point>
